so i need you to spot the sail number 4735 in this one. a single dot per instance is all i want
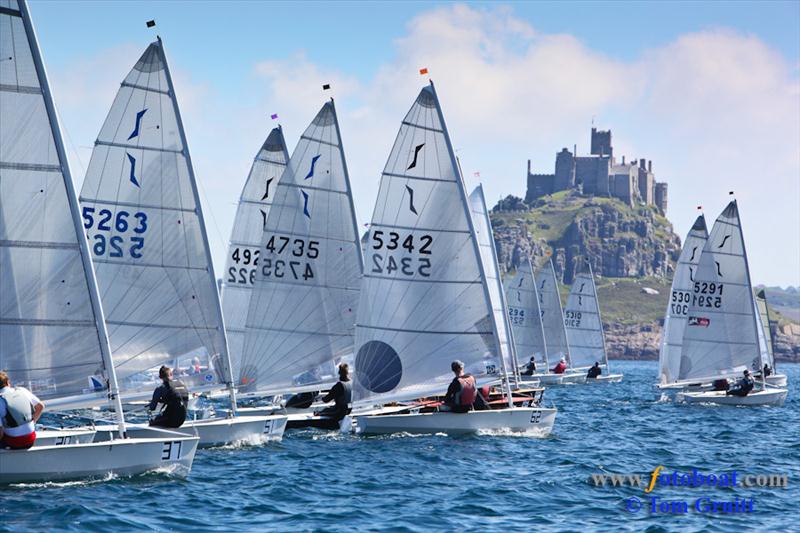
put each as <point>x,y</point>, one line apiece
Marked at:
<point>397,254</point>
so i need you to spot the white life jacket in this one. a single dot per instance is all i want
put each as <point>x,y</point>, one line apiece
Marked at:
<point>19,410</point>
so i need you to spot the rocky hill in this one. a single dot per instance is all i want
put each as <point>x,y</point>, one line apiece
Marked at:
<point>633,251</point>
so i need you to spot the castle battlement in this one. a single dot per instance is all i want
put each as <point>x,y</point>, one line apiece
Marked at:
<point>599,174</point>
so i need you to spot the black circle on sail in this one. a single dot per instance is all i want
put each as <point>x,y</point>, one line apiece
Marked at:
<point>378,367</point>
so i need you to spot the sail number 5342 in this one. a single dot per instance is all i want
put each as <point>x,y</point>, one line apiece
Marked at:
<point>397,253</point>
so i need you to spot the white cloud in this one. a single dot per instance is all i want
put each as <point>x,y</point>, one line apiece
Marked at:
<point>715,110</point>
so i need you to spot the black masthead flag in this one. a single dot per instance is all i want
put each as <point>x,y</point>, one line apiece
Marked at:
<point>151,23</point>
<point>326,86</point>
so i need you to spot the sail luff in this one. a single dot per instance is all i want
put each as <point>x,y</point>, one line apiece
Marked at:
<point>226,357</point>
<point>476,248</point>
<point>357,242</point>
<point>599,316</point>
<point>88,268</point>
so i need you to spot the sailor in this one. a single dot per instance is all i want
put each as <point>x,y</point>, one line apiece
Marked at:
<point>462,391</point>
<point>530,368</point>
<point>767,372</point>
<point>594,371</point>
<point>194,368</point>
<point>341,394</point>
<point>561,367</point>
<point>20,409</point>
<point>743,386</point>
<point>174,395</point>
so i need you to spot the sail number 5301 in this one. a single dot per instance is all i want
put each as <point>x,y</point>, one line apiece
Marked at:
<point>397,253</point>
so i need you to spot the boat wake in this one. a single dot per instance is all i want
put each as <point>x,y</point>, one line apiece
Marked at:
<point>538,433</point>
<point>65,484</point>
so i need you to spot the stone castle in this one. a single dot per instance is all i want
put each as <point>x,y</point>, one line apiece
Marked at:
<point>599,174</point>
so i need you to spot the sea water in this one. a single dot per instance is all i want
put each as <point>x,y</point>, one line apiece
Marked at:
<point>329,482</point>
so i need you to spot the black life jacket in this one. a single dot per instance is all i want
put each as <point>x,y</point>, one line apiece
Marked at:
<point>346,398</point>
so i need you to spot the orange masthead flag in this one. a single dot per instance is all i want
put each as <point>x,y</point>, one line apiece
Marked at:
<point>423,71</point>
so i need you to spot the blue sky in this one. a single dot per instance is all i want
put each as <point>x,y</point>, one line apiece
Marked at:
<point>708,90</point>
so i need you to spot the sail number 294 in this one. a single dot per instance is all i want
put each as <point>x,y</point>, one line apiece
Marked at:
<point>393,253</point>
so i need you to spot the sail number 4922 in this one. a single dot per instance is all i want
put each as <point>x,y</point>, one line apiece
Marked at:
<point>397,254</point>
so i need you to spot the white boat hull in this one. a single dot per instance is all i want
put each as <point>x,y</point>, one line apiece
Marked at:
<point>777,380</point>
<point>60,437</point>
<point>245,429</point>
<point>606,378</point>
<point>529,381</point>
<point>123,457</point>
<point>573,378</point>
<point>521,419</point>
<point>774,397</point>
<point>550,379</point>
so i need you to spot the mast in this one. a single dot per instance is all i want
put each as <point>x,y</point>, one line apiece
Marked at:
<point>359,251</point>
<point>476,247</point>
<point>750,289</point>
<point>539,318</point>
<point>599,317</point>
<point>105,347</point>
<point>199,211</point>
<point>561,313</point>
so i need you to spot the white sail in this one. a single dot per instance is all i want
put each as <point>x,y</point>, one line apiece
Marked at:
<point>764,332</point>
<point>244,250</point>
<point>424,298</point>
<point>303,305</point>
<point>584,324</point>
<point>721,337</point>
<point>669,357</point>
<point>483,232</point>
<point>552,315</point>
<point>144,222</point>
<point>52,335</point>
<point>526,317</point>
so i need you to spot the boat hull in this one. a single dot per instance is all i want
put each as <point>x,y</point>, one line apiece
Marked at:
<point>774,397</point>
<point>60,437</point>
<point>245,429</point>
<point>123,457</point>
<point>777,380</point>
<point>530,381</point>
<point>521,419</point>
<point>606,378</point>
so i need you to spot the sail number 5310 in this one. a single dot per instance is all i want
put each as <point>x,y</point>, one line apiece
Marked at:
<point>397,254</point>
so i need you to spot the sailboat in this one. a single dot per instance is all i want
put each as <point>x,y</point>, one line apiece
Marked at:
<point>301,315</point>
<point>142,215</point>
<point>525,317</point>
<point>721,338</point>
<point>675,318</point>
<point>53,338</point>
<point>765,341</point>
<point>555,333</point>
<point>497,295</point>
<point>425,295</point>
<point>585,328</point>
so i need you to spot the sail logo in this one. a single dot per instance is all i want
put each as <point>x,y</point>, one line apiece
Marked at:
<point>411,200</point>
<point>416,154</point>
<point>305,203</point>
<point>313,165</point>
<point>266,193</point>
<point>699,321</point>
<point>135,132</point>
<point>132,177</point>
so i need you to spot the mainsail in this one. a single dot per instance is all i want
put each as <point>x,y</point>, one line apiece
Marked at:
<point>526,317</point>
<point>244,249</point>
<point>142,215</point>
<point>552,315</point>
<point>764,331</point>
<point>52,334</point>
<point>303,306</point>
<point>721,336</point>
<point>669,357</point>
<point>583,323</point>
<point>483,231</point>
<point>424,298</point>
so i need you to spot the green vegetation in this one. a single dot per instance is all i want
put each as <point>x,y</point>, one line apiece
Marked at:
<point>623,302</point>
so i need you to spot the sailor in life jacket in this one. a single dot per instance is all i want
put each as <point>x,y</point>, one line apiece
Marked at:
<point>341,394</point>
<point>462,390</point>
<point>20,409</point>
<point>174,396</point>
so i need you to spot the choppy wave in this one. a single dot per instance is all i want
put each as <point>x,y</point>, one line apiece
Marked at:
<point>315,480</point>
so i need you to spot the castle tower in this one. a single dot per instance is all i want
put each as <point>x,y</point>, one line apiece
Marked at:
<point>601,143</point>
